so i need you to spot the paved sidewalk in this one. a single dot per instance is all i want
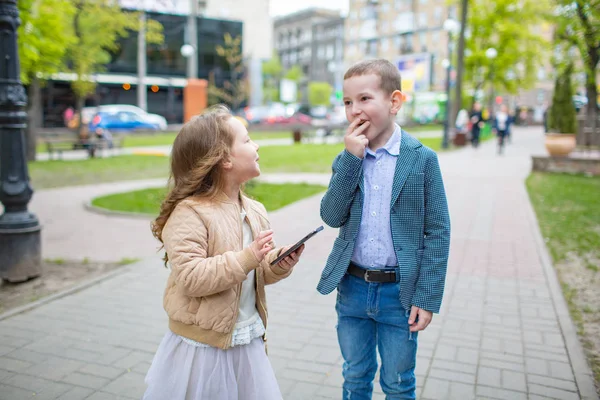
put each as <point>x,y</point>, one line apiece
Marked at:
<point>503,332</point>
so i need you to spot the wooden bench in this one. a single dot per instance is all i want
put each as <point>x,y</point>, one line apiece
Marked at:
<point>58,145</point>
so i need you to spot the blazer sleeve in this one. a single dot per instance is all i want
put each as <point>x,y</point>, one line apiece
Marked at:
<point>185,238</point>
<point>335,205</point>
<point>432,274</point>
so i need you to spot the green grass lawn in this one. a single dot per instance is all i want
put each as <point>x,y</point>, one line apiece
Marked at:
<point>568,212</point>
<point>167,138</point>
<point>315,158</point>
<point>148,201</point>
<point>49,174</point>
<point>423,128</point>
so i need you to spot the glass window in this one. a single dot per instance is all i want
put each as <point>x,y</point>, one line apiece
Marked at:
<point>437,15</point>
<point>385,44</point>
<point>422,41</point>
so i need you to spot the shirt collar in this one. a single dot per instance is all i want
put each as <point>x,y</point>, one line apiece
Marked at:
<point>393,144</point>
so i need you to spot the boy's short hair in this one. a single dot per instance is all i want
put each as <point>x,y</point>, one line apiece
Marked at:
<point>387,72</point>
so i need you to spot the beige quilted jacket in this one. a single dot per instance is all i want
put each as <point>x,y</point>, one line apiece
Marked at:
<point>203,239</point>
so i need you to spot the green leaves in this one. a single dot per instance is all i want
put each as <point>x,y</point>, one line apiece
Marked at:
<point>319,93</point>
<point>77,35</point>
<point>44,36</point>
<point>237,90</point>
<point>516,29</point>
<point>562,117</point>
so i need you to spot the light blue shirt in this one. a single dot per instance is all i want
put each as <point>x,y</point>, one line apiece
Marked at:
<point>374,247</point>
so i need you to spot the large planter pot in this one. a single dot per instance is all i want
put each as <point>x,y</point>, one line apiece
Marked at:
<point>560,144</point>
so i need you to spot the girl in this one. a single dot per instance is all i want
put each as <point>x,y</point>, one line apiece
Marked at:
<point>220,248</point>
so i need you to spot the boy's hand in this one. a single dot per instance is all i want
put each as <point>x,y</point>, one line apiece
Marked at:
<point>424,318</point>
<point>292,259</point>
<point>261,245</point>
<point>355,141</point>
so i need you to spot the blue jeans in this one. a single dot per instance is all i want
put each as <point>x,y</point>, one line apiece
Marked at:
<point>370,316</point>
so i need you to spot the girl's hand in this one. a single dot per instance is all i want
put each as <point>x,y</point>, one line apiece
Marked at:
<point>292,259</point>
<point>261,245</point>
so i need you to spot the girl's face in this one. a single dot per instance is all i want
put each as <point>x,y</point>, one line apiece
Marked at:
<point>243,160</point>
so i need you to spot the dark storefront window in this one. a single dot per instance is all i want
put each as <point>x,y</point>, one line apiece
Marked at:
<point>163,60</point>
<point>166,59</point>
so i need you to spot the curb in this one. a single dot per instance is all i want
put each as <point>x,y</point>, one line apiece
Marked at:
<point>579,365</point>
<point>111,213</point>
<point>55,296</point>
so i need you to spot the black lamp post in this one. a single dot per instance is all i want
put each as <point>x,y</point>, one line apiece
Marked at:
<point>20,240</point>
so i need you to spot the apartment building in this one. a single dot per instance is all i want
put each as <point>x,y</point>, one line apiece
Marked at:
<point>312,39</point>
<point>408,32</point>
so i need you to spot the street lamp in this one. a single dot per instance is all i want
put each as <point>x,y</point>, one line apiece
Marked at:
<point>491,54</point>
<point>20,239</point>
<point>187,50</point>
<point>452,27</point>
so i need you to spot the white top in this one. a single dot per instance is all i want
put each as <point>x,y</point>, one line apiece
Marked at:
<point>249,325</point>
<point>501,117</point>
<point>248,313</point>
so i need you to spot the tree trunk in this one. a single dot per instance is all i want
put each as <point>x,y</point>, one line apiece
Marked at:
<point>79,106</point>
<point>591,110</point>
<point>34,118</point>
<point>460,63</point>
<point>592,92</point>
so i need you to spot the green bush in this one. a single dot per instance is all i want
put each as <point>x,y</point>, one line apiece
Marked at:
<point>562,117</point>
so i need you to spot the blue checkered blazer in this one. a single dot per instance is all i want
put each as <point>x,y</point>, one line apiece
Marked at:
<point>419,221</point>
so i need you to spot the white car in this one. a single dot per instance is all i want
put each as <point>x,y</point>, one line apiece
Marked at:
<point>158,120</point>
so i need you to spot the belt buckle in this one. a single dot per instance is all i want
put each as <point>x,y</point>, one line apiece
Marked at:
<point>367,279</point>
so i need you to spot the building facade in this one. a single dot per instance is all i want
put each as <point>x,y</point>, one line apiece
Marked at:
<point>166,70</point>
<point>313,39</point>
<point>410,33</point>
<point>407,31</point>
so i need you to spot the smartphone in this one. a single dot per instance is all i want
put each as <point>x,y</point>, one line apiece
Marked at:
<point>297,245</point>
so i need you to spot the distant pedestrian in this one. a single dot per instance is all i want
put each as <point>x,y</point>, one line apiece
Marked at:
<point>502,123</point>
<point>220,247</point>
<point>477,123</point>
<point>462,121</point>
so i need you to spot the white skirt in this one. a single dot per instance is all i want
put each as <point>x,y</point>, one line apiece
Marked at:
<point>181,371</point>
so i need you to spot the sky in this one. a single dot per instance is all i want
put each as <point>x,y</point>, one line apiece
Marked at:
<point>282,7</point>
<point>276,7</point>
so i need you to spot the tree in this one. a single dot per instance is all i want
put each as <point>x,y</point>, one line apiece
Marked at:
<point>509,27</point>
<point>272,72</point>
<point>562,117</point>
<point>294,74</point>
<point>97,26</point>
<point>460,61</point>
<point>236,90</point>
<point>578,24</point>
<point>319,93</point>
<point>44,35</point>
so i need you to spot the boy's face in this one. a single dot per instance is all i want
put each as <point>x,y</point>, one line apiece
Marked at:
<point>364,99</point>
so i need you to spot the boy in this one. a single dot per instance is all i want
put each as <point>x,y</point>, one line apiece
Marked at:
<point>389,261</point>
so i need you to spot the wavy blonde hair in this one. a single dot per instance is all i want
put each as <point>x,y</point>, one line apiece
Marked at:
<point>197,156</point>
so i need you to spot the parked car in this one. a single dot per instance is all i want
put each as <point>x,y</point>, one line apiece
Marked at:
<point>158,120</point>
<point>106,122</point>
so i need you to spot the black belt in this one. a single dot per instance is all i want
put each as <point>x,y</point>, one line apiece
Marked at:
<point>373,275</point>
